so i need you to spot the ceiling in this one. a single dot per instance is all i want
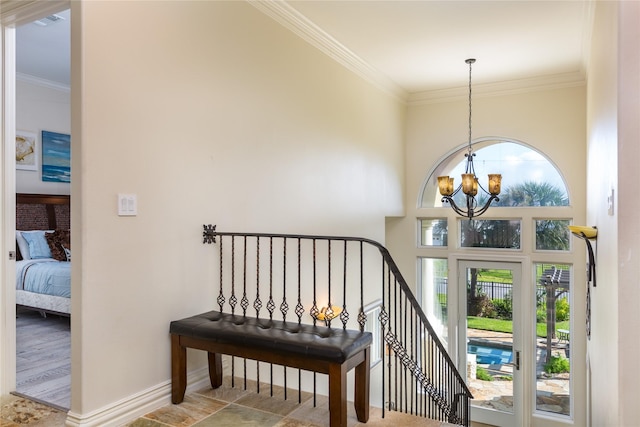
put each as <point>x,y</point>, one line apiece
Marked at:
<point>44,52</point>
<point>412,46</point>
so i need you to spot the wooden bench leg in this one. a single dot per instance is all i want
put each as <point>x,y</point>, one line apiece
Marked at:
<point>178,369</point>
<point>361,392</point>
<point>215,369</point>
<point>338,395</point>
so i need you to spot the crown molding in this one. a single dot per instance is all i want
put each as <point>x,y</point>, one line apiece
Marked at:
<point>17,12</point>
<point>508,87</point>
<point>37,81</point>
<point>290,18</point>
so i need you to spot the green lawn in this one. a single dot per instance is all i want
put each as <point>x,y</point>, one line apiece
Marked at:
<point>504,276</point>
<point>506,326</point>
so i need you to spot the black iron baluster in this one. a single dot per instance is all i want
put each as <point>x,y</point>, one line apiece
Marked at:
<point>412,344</point>
<point>220,298</point>
<point>344,315</point>
<point>299,306</point>
<point>270,304</point>
<point>232,300</point>
<point>314,309</point>
<point>362,317</point>
<point>284,307</point>
<point>244,302</point>
<point>257,303</point>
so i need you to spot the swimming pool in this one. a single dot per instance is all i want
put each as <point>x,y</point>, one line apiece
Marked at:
<point>488,355</point>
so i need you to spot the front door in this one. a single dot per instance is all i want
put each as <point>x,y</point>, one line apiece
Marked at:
<point>490,339</point>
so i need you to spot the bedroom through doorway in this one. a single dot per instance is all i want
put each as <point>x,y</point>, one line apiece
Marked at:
<point>42,221</point>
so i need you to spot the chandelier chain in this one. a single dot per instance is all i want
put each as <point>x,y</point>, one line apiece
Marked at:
<point>470,185</point>
<point>470,61</point>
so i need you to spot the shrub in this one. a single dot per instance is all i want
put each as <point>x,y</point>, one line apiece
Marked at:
<point>482,374</point>
<point>562,310</point>
<point>541,314</point>
<point>557,365</point>
<point>504,308</point>
<point>480,306</point>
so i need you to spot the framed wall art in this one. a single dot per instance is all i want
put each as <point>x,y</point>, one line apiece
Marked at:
<point>26,150</point>
<point>56,157</point>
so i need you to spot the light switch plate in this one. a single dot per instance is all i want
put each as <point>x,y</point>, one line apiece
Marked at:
<point>127,205</point>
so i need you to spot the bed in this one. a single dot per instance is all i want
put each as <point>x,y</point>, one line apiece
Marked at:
<point>43,253</point>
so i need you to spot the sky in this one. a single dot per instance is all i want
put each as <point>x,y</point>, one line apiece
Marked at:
<point>517,163</point>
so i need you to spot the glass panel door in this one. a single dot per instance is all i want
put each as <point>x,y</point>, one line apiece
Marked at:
<point>490,339</point>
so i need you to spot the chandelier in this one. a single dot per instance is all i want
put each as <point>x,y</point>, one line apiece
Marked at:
<point>470,184</point>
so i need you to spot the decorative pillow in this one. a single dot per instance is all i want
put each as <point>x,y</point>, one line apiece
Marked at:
<point>67,253</point>
<point>58,241</point>
<point>23,246</point>
<point>38,246</point>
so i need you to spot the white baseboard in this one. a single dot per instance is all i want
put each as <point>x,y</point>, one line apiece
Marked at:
<point>130,408</point>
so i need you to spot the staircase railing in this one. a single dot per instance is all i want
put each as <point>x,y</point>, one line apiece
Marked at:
<point>327,279</point>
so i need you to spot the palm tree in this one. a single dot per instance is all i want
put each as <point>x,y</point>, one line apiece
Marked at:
<point>531,193</point>
<point>550,234</point>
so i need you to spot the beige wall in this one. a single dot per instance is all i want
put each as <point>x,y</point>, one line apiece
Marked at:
<point>41,107</point>
<point>211,113</point>
<point>551,121</point>
<point>614,135</point>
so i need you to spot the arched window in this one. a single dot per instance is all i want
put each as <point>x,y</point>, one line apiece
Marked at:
<point>528,229</point>
<point>529,178</point>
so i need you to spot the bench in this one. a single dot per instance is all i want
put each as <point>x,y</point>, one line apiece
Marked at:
<point>332,351</point>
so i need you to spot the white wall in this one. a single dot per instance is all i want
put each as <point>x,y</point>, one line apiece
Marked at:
<point>211,113</point>
<point>602,164</point>
<point>40,107</point>
<point>614,134</point>
<point>629,206</point>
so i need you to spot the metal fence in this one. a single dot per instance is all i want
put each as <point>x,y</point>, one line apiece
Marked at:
<point>495,290</point>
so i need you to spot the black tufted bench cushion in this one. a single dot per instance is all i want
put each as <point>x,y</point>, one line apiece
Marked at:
<point>332,351</point>
<point>330,344</point>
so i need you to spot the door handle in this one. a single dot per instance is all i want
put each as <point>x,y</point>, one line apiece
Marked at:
<point>516,362</point>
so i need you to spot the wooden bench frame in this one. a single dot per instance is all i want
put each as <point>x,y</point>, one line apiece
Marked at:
<point>337,372</point>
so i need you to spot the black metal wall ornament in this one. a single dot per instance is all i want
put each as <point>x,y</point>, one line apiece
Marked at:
<point>209,234</point>
<point>587,234</point>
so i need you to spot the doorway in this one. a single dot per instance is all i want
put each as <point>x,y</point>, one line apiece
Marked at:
<point>491,347</point>
<point>14,17</point>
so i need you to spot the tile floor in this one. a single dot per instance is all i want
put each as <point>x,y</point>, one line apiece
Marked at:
<point>226,406</point>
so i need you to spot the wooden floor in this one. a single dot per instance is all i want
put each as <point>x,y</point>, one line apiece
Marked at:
<point>43,358</point>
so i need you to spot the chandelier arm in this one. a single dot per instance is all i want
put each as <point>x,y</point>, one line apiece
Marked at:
<point>483,189</point>
<point>449,199</point>
<point>487,205</point>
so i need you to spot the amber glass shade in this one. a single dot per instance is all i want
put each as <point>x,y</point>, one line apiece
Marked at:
<point>468,180</point>
<point>445,184</point>
<point>495,179</point>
